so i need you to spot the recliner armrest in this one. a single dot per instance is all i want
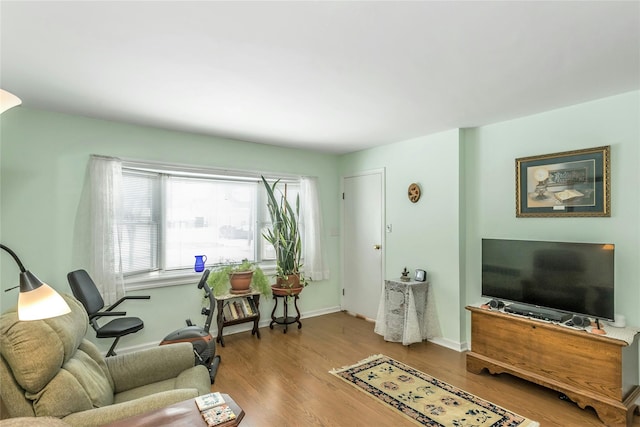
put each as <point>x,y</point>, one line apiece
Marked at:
<point>108,414</point>
<point>130,370</point>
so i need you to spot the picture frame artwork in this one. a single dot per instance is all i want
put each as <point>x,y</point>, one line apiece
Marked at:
<point>420,276</point>
<point>567,184</point>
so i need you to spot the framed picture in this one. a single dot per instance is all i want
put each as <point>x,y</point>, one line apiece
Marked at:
<point>571,183</point>
<point>421,276</point>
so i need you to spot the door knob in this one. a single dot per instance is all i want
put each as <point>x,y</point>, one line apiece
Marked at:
<point>377,247</point>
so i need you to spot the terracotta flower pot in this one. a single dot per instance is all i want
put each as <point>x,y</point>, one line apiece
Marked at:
<point>240,282</point>
<point>280,291</point>
<point>290,286</point>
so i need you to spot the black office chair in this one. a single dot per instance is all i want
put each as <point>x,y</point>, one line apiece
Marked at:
<point>85,291</point>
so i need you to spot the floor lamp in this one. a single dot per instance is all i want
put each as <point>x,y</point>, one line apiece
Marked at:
<point>37,300</point>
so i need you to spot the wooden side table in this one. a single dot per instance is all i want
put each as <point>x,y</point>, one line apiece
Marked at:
<point>285,320</point>
<point>182,414</point>
<point>222,322</point>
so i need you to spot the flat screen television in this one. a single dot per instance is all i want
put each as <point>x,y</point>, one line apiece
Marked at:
<point>574,278</point>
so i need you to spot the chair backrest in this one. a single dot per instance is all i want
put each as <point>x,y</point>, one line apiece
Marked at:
<point>48,368</point>
<point>85,291</point>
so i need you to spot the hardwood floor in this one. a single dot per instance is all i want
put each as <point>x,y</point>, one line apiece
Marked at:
<point>283,380</point>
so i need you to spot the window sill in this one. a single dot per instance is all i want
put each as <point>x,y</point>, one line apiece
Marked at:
<point>160,279</point>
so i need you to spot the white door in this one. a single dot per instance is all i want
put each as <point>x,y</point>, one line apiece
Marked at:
<point>362,242</point>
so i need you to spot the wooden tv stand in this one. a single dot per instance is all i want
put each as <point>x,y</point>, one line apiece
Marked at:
<point>591,370</point>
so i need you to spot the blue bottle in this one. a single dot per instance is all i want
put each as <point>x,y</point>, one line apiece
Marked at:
<point>200,260</point>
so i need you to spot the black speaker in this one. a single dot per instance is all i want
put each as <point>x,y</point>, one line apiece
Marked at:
<point>580,321</point>
<point>496,304</point>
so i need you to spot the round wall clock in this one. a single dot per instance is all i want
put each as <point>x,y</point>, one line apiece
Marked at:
<point>414,192</point>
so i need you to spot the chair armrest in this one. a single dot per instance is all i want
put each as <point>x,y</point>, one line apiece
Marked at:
<point>111,413</point>
<point>123,299</point>
<point>107,314</point>
<point>130,370</point>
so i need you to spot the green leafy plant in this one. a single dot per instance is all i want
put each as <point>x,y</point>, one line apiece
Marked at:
<point>284,234</point>
<point>219,276</point>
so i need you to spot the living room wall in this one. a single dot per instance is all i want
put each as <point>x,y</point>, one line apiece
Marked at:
<point>467,177</point>
<point>490,186</point>
<point>468,181</point>
<point>43,158</point>
<point>426,234</point>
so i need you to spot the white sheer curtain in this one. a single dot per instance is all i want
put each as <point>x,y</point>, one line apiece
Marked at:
<point>315,265</point>
<point>98,227</point>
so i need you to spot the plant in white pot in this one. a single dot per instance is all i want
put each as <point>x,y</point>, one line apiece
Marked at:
<point>284,235</point>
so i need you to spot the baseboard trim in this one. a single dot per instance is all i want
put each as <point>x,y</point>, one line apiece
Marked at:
<point>443,342</point>
<point>360,316</point>
<point>244,327</point>
<point>453,345</point>
<point>236,329</point>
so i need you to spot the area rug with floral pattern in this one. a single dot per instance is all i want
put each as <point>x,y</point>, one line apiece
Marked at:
<point>423,398</point>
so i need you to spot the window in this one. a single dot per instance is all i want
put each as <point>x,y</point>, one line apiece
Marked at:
<point>141,222</point>
<point>172,216</point>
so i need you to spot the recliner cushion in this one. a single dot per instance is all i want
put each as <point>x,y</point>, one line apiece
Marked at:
<point>80,385</point>
<point>59,370</point>
<point>61,397</point>
<point>35,350</point>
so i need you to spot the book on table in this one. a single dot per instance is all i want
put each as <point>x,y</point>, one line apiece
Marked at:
<point>207,401</point>
<point>246,307</point>
<point>240,309</point>
<point>252,304</point>
<point>218,415</point>
<point>227,312</point>
<point>214,409</point>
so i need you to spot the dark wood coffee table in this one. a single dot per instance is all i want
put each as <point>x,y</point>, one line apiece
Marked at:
<point>182,414</point>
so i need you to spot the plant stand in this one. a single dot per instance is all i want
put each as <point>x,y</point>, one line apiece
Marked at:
<point>241,316</point>
<point>285,320</point>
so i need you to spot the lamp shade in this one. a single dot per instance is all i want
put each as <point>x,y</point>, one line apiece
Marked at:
<point>8,100</point>
<point>40,303</point>
<point>37,300</point>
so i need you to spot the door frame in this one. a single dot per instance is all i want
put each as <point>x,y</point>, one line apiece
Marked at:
<point>383,220</point>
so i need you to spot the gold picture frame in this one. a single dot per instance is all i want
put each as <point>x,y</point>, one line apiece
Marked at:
<point>567,184</point>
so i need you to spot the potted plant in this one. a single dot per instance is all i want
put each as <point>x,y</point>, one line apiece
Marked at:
<point>238,278</point>
<point>284,235</point>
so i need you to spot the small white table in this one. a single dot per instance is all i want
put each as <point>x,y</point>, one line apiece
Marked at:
<point>406,313</point>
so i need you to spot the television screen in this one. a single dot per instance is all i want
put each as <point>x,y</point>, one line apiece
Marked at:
<point>571,277</point>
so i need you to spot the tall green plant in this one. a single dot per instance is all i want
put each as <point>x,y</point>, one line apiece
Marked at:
<point>284,233</point>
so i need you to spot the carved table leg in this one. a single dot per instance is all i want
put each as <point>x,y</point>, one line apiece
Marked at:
<point>220,319</point>
<point>297,319</point>
<point>273,312</point>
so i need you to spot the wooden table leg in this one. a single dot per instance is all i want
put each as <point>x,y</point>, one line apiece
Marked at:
<point>220,318</point>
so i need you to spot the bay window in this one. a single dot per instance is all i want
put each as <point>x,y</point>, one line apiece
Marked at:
<point>170,216</point>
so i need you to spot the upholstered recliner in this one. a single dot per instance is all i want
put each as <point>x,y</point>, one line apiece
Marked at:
<point>48,368</point>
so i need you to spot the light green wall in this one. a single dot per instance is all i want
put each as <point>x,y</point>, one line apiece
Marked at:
<point>425,234</point>
<point>43,158</point>
<point>468,183</point>
<point>490,186</point>
<point>467,178</point>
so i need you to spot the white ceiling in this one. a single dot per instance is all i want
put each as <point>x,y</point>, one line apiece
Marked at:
<point>328,76</point>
